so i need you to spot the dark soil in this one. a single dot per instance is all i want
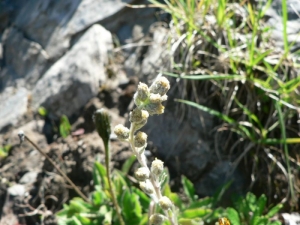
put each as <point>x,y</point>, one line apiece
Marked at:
<point>31,190</point>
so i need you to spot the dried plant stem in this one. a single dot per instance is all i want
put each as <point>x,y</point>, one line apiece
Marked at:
<point>142,160</point>
<point>107,162</point>
<point>57,168</point>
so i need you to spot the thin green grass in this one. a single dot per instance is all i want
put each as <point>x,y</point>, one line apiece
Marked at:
<point>256,84</point>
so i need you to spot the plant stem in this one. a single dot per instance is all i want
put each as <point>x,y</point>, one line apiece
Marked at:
<point>57,168</point>
<point>143,163</point>
<point>107,164</point>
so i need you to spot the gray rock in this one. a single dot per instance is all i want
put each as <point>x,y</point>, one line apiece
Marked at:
<point>26,61</point>
<point>17,190</point>
<point>291,218</point>
<point>217,176</point>
<point>274,14</point>
<point>183,146</point>
<point>75,78</point>
<point>157,56</point>
<point>13,105</point>
<point>54,23</point>
<point>28,178</point>
<point>44,30</point>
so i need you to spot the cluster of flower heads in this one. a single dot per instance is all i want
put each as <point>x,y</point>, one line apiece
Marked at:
<point>148,101</point>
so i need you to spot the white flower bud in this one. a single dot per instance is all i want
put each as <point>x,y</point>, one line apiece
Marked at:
<point>160,86</point>
<point>164,98</point>
<point>155,98</point>
<point>121,132</point>
<point>157,167</point>
<point>141,94</point>
<point>165,203</point>
<point>140,139</point>
<point>156,219</point>
<point>139,125</point>
<point>146,187</point>
<point>138,116</point>
<point>142,174</point>
<point>154,108</point>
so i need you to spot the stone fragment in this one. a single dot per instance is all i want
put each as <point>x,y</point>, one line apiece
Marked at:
<point>13,105</point>
<point>74,79</point>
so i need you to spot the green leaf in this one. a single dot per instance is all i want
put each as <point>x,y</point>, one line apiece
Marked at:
<point>274,211</point>
<point>42,111</point>
<point>173,196</point>
<point>77,205</point>
<point>119,182</point>
<point>261,56</point>
<point>233,216</point>
<point>251,115</point>
<point>185,221</point>
<point>220,192</point>
<point>100,172</point>
<point>128,164</point>
<point>143,198</point>
<point>195,213</point>
<point>131,207</point>
<point>64,126</point>
<point>188,188</point>
<point>206,109</point>
<point>203,202</point>
<point>261,204</point>
<point>215,214</point>
<point>167,190</point>
<point>207,77</point>
<point>83,220</point>
<point>259,220</point>
<point>4,151</point>
<point>251,201</point>
<point>275,223</point>
<point>241,129</point>
<point>98,196</point>
<point>75,221</point>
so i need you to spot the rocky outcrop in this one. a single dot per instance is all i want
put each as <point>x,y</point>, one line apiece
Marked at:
<point>14,104</point>
<point>25,60</point>
<point>76,77</point>
<point>275,20</point>
<point>57,50</point>
<point>53,24</point>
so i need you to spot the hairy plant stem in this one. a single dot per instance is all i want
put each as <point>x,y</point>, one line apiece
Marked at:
<point>25,137</point>
<point>142,160</point>
<point>107,165</point>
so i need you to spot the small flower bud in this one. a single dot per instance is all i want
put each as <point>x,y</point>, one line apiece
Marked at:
<point>137,115</point>
<point>121,132</point>
<point>146,187</point>
<point>157,167</point>
<point>154,108</point>
<point>155,98</point>
<point>156,219</point>
<point>140,139</point>
<point>21,136</point>
<point>139,125</point>
<point>165,203</point>
<point>102,123</point>
<point>160,86</point>
<point>142,174</point>
<point>141,94</point>
<point>164,98</point>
